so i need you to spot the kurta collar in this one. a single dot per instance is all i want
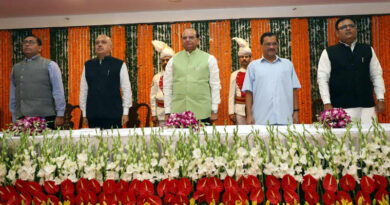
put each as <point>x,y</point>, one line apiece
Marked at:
<point>193,52</point>
<point>32,58</point>
<point>276,59</point>
<point>352,45</point>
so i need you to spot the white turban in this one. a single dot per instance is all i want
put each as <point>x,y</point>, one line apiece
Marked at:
<point>244,47</point>
<point>163,49</point>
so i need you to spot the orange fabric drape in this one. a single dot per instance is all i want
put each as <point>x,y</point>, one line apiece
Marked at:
<point>5,73</point>
<point>145,66</point>
<point>78,50</point>
<point>176,30</point>
<point>258,27</point>
<point>44,35</point>
<point>220,47</point>
<point>118,42</point>
<point>118,39</point>
<point>300,56</point>
<point>332,39</point>
<point>381,45</point>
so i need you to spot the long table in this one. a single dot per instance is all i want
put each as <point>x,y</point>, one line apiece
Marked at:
<point>227,132</point>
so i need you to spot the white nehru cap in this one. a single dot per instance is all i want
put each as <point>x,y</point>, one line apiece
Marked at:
<point>163,49</point>
<point>244,47</point>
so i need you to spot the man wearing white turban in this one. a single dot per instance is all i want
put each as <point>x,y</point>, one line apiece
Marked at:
<point>236,96</point>
<point>156,93</point>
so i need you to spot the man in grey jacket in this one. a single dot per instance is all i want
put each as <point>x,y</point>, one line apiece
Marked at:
<point>36,86</point>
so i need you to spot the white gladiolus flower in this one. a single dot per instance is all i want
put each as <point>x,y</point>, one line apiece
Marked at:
<point>11,176</point>
<point>197,153</point>
<point>3,172</point>
<point>303,160</point>
<point>111,166</point>
<point>270,169</point>
<point>242,152</point>
<point>112,175</point>
<point>230,171</point>
<point>316,172</point>
<point>254,152</point>
<point>163,162</point>
<point>220,161</point>
<point>153,162</point>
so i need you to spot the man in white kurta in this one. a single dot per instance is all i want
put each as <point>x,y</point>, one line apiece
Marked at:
<point>348,73</point>
<point>236,96</point>
<point>156,92</point>
<point>191,81</point>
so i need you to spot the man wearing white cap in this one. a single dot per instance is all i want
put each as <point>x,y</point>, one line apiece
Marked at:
<point>156,93</point>
<point>236,96</point>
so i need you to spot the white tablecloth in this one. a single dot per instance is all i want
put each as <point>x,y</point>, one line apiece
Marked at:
<point>243,131</point>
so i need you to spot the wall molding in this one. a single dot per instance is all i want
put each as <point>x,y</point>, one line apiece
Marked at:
<point>195,15</point>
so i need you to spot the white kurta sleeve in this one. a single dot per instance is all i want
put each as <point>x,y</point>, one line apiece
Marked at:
<point>376,76</point>
<point>232,92</point>
<point>168,86</point>
<point>127,100</point>
<point>83,94</point>
<point>153,96</point>
<point>215,83</point>
<point>323,75</point>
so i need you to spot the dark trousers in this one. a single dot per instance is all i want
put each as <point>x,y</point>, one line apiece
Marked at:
<point>105,123</point>
<point>51,121</point>
<point>206,121</point>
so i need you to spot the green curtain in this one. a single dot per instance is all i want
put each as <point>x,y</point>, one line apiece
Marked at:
<point>364,27</point>
<point>239,28</point>
<point>59,53</point>
<point>94,32</point>
<point>17,38</point>
<point>161,32</point>
<point>131,58</point>
<point>318,41</point>
<point>202,27</point>
<point>282,29</point>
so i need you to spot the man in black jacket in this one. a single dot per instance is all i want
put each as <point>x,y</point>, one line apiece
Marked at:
<point>348,74</point>
<point>101,82</point>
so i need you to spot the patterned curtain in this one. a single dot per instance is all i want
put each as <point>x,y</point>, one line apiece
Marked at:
<point>131,58</point>
<point>242,29</point>
<point>204,34</point>
<point>282,29</point>
<point>59,54</point>
<point>161,32</point>
<point>318,41</point>
<point>17,38</point>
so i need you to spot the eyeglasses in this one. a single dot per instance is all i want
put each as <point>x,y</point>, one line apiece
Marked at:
<point>30,42</point>
<point>343,27</point>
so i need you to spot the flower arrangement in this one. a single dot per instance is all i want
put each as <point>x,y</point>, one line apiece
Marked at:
<point>334,118</point>
<point>185,119</point>
<point>291,167</point>
<point>29,124</point>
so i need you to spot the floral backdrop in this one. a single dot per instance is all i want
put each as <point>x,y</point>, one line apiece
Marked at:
<point>301,40</point>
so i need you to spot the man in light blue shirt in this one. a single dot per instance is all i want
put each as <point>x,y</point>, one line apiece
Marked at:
<point>36,86</point>
<point>271,87</point>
